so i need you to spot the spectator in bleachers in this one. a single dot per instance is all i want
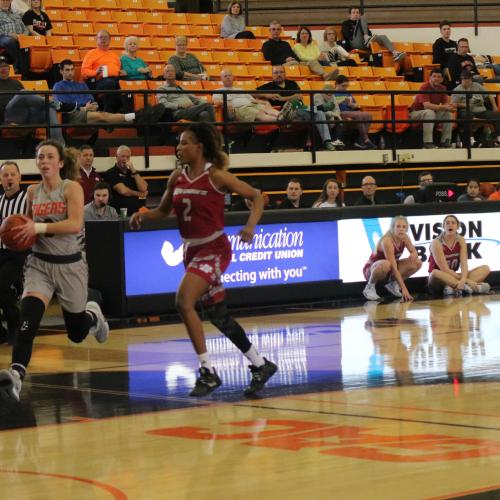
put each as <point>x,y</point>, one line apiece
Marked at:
<point>444,47</point>
<point>99,208</point>
<point>480,106</point>
<point>133,67</point>
<point>277,51</point>
<point>244,107</point>
<point>36,20</point>
<point>358,36</point>
<point>369,190</point>
<point>309,54</point>
<point>129,188</point>
<point>424,179</point>
<point>462,61</point>
<point>350,110</point>
<point>101,70</point>
<point>11,25</point>
<point>187,66</point>
<point>329,105</point>
<point>334,53</point>
<point>233,24</point>
<point>24,109</point>
<point>88,174</point>
<point>472,193</point>
<point>495,196</point>
<point>286,94</point>
<point>293,198</point>
<point>329,197</point>
<point>82,108</point>
<point>434,107</point>
<point>183,106</point>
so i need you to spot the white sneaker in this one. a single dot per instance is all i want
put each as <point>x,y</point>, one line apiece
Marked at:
<point>448,291</point>
<point>10,385</point>
<point>483,288</point>
<point>393,288</point>
<point>338,144</point>
<point>370,292</point>
<point>101,330</point>
<point>467,289</point>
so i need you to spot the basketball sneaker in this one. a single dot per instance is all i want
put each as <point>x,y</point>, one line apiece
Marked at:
<point>448,291</point>
<point>10,385</point>
<point>370,292</point>
<point>206,383</point>
<point>101,329</point>
<point>483,287</point>
<point>467,289</point>
<point>393,288</point>
<point>260,375</point>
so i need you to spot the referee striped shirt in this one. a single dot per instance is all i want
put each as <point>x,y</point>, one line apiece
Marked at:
<point>9,206</point>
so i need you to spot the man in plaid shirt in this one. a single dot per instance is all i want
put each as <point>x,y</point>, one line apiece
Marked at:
<point>11,25</point>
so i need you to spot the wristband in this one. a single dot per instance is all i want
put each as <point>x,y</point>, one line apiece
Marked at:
<point>40,228</point>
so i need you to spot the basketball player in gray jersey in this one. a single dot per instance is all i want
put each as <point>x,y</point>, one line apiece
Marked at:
<point>55,266</point>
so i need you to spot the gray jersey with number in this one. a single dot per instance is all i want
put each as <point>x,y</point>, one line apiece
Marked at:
<point>52,207</point>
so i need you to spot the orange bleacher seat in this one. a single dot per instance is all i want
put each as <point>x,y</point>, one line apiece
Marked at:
<point>128,5</point>
<point>212,43</point>
<point>53,4</point>
<point>226,57</point>
<point>211,85</point>
<point>156,5</point>
<point>495,59</point>
<point>422,47</point>
<point>59,55</point>
<point>372,85</point>
<point>293,72</point>
<point>106,4</point>
<point>74,15</point>
<point>40,59</point>
<point>163,42</point>
<point>246,84</point>
<point>386,73</point>
<point>116,42</point>
<point>157,69</point>
<point>354,85</point>
<point>155,30</point>
<point>362,72</point>
<point>404,99</point>
<point>85,41</point>
<point>82,29</point>
<point>175,18</point>
<point>111,28</point>
<point>252,57</point>
<point>422,63</point>
<point>178,30</point>
<point>154,84</point>
<point>60,41</point>
<point>240,71</point>
<point>78,4</point>
<point>259,31</point>
<point>132,29</point>
<point>194,43</point>
<point>404,47</point>
<point>255,44</point>
<point>383,100</point>
<point>129,16</point>
<point>55,14</point>
<point>153,17</point>
<point>127,85</point>
<point>201,19</point>
<point>145,42</point>
<point>401,112</point>
<point>203,56</point>
<point>260,71</point>
<point>343,70</point>
<point>401,85</point>
<point>213,70</point>
<point>217,18</point>
<point>415,86</point>
<point>494,87</point>
<point>166,54</point>
<point>487,73</point>
<point>59,28</point>
<point>150,56</point>
<point>35,84</point>
<point>28,41</point>
<point>236,44</point>
<point>100,16</point>
<point>318,85</point>
<point>368,104</point>
<point>203,31</point>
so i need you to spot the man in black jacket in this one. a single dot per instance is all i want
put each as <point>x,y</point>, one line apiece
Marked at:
<point>444,47</point>
<point>462,61</point>
<point>277,51</point>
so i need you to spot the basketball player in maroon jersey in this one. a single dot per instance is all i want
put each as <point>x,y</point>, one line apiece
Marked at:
<point>196,194</point>
<point>385,264</point>
<point>448,255</point>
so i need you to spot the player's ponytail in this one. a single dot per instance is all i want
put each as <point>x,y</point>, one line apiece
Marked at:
<point>211,140</point>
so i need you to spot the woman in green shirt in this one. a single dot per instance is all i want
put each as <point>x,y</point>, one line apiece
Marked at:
<point>134,67</point>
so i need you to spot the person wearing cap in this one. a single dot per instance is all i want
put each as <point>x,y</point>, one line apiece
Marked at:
<point>23,109</point>
<point>11,25</point>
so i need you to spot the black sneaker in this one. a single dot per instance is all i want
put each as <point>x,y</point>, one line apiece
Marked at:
<point>206,383</point>
<point>260,375</point>
<point>149,115</point>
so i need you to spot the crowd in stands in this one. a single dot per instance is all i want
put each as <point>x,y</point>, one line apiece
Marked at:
<point>334,113</point>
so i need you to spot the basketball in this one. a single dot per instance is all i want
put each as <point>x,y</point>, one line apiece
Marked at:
<point>8,236</point>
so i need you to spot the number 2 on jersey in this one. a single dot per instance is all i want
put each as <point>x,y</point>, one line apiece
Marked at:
<point>187,210</point>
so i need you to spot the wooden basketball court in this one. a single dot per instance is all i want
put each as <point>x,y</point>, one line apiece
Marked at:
<point>391,401</point>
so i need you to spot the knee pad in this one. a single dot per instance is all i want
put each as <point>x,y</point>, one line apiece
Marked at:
<point>77,325</point>
<point>32,310</point>
<point>219,316</point>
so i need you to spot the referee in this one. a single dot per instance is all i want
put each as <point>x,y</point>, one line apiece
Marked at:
<point>13,201</point>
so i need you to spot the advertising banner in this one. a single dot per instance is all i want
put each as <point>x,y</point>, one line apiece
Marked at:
<point>285,253</point>
<point>481,230</point>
